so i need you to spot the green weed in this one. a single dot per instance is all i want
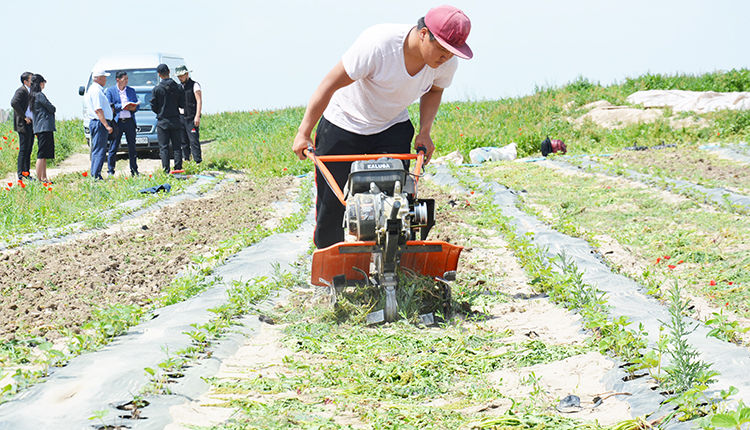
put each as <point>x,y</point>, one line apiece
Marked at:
<point>685,370</point>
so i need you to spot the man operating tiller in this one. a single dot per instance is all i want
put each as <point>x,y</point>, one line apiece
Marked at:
<point>362,102</point>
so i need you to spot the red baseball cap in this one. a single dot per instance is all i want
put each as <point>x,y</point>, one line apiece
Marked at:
<point>451,27</point>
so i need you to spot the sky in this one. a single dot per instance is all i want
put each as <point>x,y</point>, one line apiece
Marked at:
<point>268,55</point>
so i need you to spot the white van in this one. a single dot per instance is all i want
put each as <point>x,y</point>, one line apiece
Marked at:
<point>142,76</point>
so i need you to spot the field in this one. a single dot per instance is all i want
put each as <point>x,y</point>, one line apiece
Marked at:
<point>542,332</point>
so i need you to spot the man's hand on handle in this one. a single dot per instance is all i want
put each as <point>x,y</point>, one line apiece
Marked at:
<point>301,143</point>
<point>426,141</point>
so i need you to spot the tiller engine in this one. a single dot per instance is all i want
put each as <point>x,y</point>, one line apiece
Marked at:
<point>386,227</point>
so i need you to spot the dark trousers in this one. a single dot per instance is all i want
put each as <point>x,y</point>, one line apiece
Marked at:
<point>333,140</point>
<point>124,126</point>
<point>170,143</point>
<point>99,136</point>
<point>25,145</point>
<point>191,140</point>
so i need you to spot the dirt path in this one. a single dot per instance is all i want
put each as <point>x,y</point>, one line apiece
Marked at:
<point>80,162</point>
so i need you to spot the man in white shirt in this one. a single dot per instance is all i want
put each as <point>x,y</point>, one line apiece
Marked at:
<point>363,100</point>
<point>99,114</point>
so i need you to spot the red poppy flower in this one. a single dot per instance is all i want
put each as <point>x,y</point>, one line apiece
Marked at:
<point>285,169</point>
<point>730,283</point>
<point>666,257</point>
<point>49,189</point>
<point>10,184</point>
<point>681,261</point>
<point>25,173</point>
<point>658,259</point>
<point>672,266</point>
<point>712,283</point>
<point>21,184</point>
<point>85,174</point>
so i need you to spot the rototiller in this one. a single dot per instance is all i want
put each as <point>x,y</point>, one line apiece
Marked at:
<point>386,226</point>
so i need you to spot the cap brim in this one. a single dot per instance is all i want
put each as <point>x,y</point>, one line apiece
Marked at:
<point>463,52</point>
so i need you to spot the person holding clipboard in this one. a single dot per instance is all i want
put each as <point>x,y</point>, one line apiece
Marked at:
<point>124,103</point>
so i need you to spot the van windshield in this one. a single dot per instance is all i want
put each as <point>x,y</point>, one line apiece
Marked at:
<point>144,96</point>
<point>136,78</point>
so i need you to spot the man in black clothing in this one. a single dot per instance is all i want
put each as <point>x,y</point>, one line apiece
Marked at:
<point>191,142</point>
<point>167,101</point>
<point>22,123</point>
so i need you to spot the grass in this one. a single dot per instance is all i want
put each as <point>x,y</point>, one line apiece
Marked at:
<point>260,141</point>
<point>257,142</point>
<point>702,246</point>
<point>68,138</point>
<point>528,120</point>
<point>388,377</point>
<point>664,164</point>
<point>72,199</point>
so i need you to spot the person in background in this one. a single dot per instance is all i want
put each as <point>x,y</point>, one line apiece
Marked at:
<point>22,124</point>
<point>363,100</point>
<point>99,114</point>
<point>124,100</point>
<point>44,126</point>
<point>191,141</point>
<point>168,99</point>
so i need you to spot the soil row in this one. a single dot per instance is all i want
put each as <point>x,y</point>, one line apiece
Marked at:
<point>48,289</point>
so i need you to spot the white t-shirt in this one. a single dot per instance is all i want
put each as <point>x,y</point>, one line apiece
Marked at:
<point>95,99</point>
<point>382,88</point>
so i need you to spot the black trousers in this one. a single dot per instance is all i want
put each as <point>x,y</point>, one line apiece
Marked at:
<point>333,140</point>
<point>191,140</point>
<point>169,133</point>
<point>25,145</point>
<point>124,126</point>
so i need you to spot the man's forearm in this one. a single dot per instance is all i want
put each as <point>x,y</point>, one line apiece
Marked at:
<point>428,107</point>
<point>198,104</point>
<point>100,115</point>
